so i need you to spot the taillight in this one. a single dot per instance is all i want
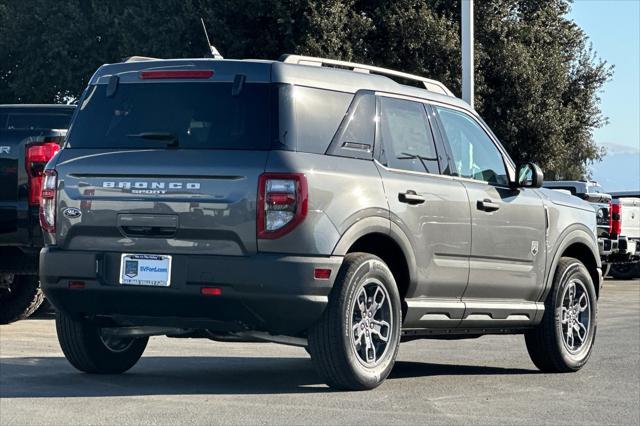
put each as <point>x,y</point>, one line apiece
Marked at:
<point>616,219</point>
<point>282,203</point>
<point>48,201</point>
<point>610,214</point>
<point>37,157</point>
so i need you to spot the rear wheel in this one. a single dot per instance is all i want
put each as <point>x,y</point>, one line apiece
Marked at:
<point>563,341</point>
<point>355,343</point>
<point>625,271</point>
<point>20,296</point>
<point>90,350</point>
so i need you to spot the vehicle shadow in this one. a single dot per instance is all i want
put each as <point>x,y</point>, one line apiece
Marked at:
<point>32,377</point>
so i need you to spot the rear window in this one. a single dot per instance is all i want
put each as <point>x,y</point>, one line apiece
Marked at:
<point>198,115</point>
<point>35,120</point>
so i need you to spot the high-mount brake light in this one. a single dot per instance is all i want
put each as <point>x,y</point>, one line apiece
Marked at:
<point>48,201</point>
<point>282,203</point>
<point>177,74</point>
<point>37,156</point>
<point>616,219</point>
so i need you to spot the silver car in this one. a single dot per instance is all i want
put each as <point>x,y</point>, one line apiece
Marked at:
<point>308,202</point>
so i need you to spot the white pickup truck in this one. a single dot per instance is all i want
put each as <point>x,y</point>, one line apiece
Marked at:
<point>618,222</point>
<point>625,218</point>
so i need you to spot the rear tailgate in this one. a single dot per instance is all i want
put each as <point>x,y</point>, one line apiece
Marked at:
<point>159,200</point>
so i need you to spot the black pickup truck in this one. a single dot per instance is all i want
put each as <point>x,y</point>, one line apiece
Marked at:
<point>30,135</point>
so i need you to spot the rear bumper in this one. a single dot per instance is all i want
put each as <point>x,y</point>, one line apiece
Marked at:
<point>275,293</point>
<point>620,250</point>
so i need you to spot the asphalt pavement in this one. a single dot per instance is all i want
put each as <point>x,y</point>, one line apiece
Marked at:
<point>489,380</point>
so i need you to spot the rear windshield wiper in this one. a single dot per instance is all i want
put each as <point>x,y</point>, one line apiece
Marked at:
<point>158,136</point>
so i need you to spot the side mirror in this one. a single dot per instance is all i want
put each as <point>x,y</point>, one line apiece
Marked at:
<point>529,175</point>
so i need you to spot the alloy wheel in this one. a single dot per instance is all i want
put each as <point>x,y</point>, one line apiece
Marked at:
<point>576,316</point>
<point>371,321</point>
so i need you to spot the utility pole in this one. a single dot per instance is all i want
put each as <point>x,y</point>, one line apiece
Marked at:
<point>467,50</point>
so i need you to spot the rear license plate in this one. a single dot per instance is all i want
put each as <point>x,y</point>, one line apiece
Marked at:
<point>145,269</point>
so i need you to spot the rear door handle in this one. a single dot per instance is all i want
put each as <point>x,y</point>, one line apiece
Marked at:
<point>410,197</point>
<point>487,205</point>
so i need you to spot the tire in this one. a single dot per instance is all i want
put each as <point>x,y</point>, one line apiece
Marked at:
<point>625,271</point>
<point>87,350</point>
<point>551,349</point>
<point>21,299</point>
<point>343,364</point>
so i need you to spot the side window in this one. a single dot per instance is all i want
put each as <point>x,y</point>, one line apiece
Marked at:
<point>474,153</point>
<point>355,137</point>
<point>407,142</point>
<point>318,114</point>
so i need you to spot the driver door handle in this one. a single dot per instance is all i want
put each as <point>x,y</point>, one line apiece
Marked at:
<point>487,205</point>
<point>410,197</point>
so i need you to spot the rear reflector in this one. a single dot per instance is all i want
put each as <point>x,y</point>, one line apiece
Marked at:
<point>321,274</point>
<point>158,75</point>
<point>211,291</point>
<point>76,284</point>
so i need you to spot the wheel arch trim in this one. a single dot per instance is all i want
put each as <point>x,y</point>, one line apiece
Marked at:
<point>575,234</point>
<point>380,225</point>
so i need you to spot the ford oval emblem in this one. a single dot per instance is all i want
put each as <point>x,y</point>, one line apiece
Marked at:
<point>72,213</point>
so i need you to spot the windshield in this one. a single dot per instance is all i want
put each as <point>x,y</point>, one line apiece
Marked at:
<point>191,115</point>
<point>27,120</point>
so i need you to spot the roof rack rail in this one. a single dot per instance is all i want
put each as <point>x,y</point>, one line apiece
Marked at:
<point>429,84</point>
<point>139,59</point>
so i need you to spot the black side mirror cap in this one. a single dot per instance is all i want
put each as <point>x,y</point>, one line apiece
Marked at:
<point>529,175</point>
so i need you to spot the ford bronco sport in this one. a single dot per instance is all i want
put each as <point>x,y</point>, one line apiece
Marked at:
<point>309,202</point>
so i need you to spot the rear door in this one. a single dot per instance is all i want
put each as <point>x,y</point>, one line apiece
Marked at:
<point>508,225</point>
<point>165,167</point>
<point>430,208</point>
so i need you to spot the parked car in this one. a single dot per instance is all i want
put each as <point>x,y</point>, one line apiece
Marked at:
<point>29,136</point>
<point>626,219</point>
<point>619,245</point>
<point>309,202</point>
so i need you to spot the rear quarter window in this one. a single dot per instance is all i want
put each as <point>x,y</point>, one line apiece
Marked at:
<point>317,114</point>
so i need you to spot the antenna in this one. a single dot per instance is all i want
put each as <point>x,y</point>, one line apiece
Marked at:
<point>214,51</point>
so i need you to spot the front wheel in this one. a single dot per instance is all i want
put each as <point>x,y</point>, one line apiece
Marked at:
<point>90,350</point>
<point>563,341</point>
<point>355,343</point>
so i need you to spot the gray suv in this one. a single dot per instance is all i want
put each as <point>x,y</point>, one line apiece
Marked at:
<point>309,202</point>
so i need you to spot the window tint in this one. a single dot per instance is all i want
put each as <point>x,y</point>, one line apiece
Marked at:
<point>407,142</point>
<point>357,132</point>
<point>36,120</point>
<point>474,153</point>
<point>200,115</point>
<point>318,114</point>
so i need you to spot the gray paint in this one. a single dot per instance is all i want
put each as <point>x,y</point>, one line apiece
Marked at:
<point>468,268</point>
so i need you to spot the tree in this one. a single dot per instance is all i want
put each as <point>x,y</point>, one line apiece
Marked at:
<point>537,80</point>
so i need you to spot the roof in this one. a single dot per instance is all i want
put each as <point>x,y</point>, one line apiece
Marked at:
<point>297,70</point>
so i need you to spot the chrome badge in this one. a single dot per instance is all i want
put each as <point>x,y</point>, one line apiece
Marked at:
<point>534,247</point>
<point>72,213</point>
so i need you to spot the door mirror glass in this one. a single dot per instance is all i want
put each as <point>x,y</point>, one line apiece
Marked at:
<point>529,175</point>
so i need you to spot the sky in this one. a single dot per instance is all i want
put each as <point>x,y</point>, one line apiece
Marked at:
<point>613,27</point>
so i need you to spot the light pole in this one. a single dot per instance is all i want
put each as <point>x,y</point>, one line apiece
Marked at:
<point>467,50</point>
